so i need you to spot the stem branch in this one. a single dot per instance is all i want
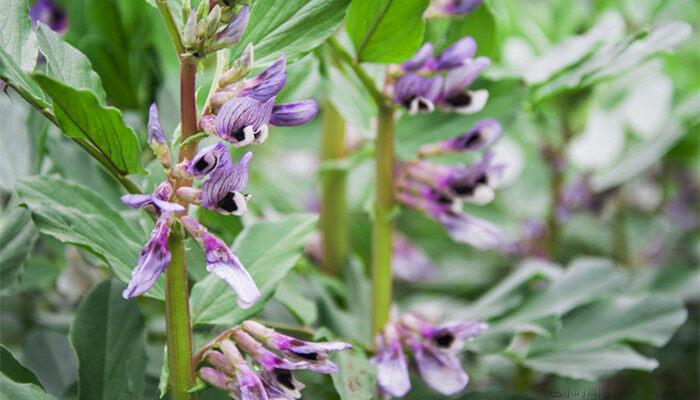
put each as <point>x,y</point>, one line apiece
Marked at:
<point>383,216</point>
<point>170,25</point>
<point>334,226</point>
<point>367,81</point>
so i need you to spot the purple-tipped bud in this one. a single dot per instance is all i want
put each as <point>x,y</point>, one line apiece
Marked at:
<point>440,370</point>
<point>267,359</point>
<point>417,93</point>
<point>244,120</point>
<point>420,59</point>
<point>234,30</point>
<point>410,263</point>
<point>153,260</point>
<point>460,7</point>
<point>483,134</point>
<point>296,113</point>
<point>224,263</point>
<point>222,191</point>
<point>209,159</point>
<point>156,139</point>
<point>456,55</point>
<point>216,378</point>
<point>390,361</point>
<point>314,355</point>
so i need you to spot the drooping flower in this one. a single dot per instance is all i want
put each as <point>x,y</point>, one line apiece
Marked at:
<point>434,348</point>
<point>49,13</point>
<point>157,203</point>
<point>390,361</point>
<point>314,355</point>
<point>272,374</point>
<point>409,263</point>
<point>483,134</point>
<point>156,139</point>
<point>222,191</point>
<point>153,260</point>
<point>208,159</point>
<point>223,262</point>
<point>442,81</point>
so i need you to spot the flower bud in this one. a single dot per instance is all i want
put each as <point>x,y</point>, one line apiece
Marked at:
<point>240,68</point>
<point>213,19</point>
<point>189,33</point>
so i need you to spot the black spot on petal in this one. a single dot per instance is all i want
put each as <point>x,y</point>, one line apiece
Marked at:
<point>309,356</point>
<point>228,203</point>
<point>472,140</point>
<point>239,135</point>
<point>284,376</point>
<point>201,165</point>
<point>444,339</point>
<point>460,100</point>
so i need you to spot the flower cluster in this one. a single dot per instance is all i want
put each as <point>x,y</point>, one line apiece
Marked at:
<point>439,190</point>
<point>239,113</point>
<point>275,358</point>
<point>208,30</point>
<point>435,349</point>
<point>427,81</point>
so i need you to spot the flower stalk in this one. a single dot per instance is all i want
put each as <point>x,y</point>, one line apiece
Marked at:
<point>382,228</point>
<point>333,222</point>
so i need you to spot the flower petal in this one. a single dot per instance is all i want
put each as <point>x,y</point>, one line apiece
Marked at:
<point>235,29</point>
<point>442,371</point>
<point>419,60</point>
<point>136,200</point>
<point>153,260</point>
<point>296,113</point>
<point>269,82</point>
<point>208,159</point>
<point>459,79</point>
<point>455,55</point>
<point>471,230</point>
<point>241,113</point>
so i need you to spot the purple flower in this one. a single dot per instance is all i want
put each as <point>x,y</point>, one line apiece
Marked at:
<point>243,120</point>
<point>483,134</point>
<point>233,32</point>
<point>209,159</point>
<point>292,114</point>
<point>261,88</point>
<point>216,378</point>
<point>456,96</point>
<point>421,59</point>
<point>460,7</point>
<point>246,384</point>
<point>277,371</point>
<point>49,13</point>
<point>156,139</point>
<point>410,263</point>
<point>156,202</point>
<point>221,261</point>
<point>450,336</point>
<point>153,260</point>
<point>222,191</point>
<point>440,370</point>
<point>456,55</point>
<point>315,356</point>
<point>390,361</point>
<point>417,93</point>
<point>576,196</point>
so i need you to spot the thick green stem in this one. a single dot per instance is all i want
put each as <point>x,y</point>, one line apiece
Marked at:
<point>177,319</point>
<point>178,329</point>
<point>383,219</point>
<point>334,221</point>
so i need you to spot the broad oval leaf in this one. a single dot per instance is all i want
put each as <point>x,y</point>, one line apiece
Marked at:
<point>73,214</point>
<point>108,336</point>
<point>386,31</point>
<point>356,377</point>
<point>268,250</point>
<point>17,238</point>
<point>290,27</point>
<point>67,64</point>
<point>80,115</point>
<point>10,389</point>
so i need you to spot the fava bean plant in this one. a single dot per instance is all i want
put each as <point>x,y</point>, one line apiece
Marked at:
<point>349,199</point>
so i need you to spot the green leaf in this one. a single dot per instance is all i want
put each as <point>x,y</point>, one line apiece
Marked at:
<point>268,250</point>
<point>108,336</point>
<point>289,293</point>
<point>73,214</point>
<point>18,50</point>
<point>590,364</point>
<point>16,36</point>
<point>386,31</point>
<point>356,377</point>
<point>67,64</point>
<point>14,370</point>
<point>49,355</point>
<point>81,116</point>
<point>290,27</point>
<point>17,238</point>
<point>16,152</point>
<point>10,389</point>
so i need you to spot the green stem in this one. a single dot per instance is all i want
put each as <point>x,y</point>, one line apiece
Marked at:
<point>177,320</point>
<point>383,216</point>
<point>621,250</point>
<point>334,223</point>
<point>170,25</point>
<point>367,81</point>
